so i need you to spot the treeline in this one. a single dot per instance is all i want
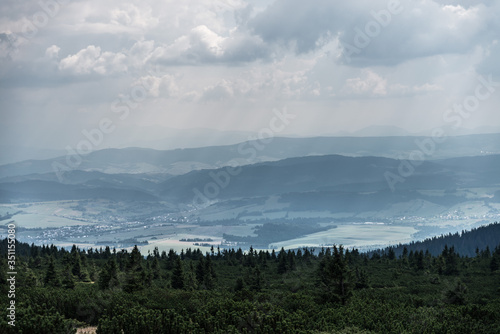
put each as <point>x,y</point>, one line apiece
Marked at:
<point>327,290</point>
<point>467,243</point>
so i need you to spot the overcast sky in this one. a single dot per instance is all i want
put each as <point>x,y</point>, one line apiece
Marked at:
<point>72,65</point>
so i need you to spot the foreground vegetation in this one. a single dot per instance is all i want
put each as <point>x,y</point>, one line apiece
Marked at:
<point>329,290</point>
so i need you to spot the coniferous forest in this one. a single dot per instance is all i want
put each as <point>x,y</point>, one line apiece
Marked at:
<point>404,289</point>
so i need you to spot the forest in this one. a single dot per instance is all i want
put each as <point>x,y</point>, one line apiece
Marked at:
<point>403,289</point>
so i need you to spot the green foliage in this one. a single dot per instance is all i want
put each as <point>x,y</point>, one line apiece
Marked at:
<point>39,321</point>
<point>108,278</point>
<point>68,281</point>
<point>457,294</point>
<point>335,277</point>
<point>178,275</point>
<point>230,291</point>
<point>135,275</point>
<point>51,276</point>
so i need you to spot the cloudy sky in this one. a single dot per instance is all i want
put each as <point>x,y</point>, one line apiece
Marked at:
<point>136,67</point>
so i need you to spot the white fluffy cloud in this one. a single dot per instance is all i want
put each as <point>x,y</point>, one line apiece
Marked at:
<point>91,59</point>
<point>201,45</point>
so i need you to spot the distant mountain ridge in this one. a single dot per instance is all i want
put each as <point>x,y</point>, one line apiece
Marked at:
<point>333,183</point>
<point>336,184</point>
<point>182,161</point>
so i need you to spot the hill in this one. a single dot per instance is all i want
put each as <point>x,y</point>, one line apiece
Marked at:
<point>181,161</point>
<point>467,243</point>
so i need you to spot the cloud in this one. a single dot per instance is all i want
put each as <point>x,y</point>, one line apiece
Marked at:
<point>165,86</point>
<point>272,82</point>
<point>411,30</point>
<point>297,24</point>
<point>489,63</point>
<point>91,60</point>
<point>131,16</point>
<point>242,57</point>
<point>370,84</point>
<point>204,46</point>
<point>8,45</point>
<point>219,92</point>
<point>52,52</point>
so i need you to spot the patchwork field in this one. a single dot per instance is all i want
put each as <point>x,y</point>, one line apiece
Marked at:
<point>149,225</point>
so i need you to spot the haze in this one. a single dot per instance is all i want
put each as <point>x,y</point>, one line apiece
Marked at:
<point>227,65</point>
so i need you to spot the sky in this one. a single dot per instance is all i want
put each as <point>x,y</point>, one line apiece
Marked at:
<point>111,72</point>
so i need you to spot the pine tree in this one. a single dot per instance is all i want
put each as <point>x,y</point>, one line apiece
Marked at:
<point>450,260</point>
<point>420,260</point>
<point>191,281</point>
<point>391,254</point>
<point>210,276</point>
<point>31,279</point>
<point>108,278</point>
<point>335,277</point>
<point>495,263</point>
<point>134,272</point>
<point>405,253</point>
<point>84,271</point>
<point>68,281</point>
<point>77,263</point>
<point>273,255</point>
<point>257,280</point>
<point>291,260</point>
<point>178,275</point>
<point>155,267</point>
<point>200,271</point>
<point>361,279</point>
<point>171,259</point>
<point>51,276</point>
<point>282,262</point>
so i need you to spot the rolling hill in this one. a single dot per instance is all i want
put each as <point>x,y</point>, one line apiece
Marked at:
<point>181,161</point>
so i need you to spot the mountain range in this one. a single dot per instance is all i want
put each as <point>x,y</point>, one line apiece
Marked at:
<point>182,161</point>
<point>330,182</point>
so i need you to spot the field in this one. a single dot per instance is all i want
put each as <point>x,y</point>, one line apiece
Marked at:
<point>44,214</point>
<point>119,224</point>
<point>350,235</point>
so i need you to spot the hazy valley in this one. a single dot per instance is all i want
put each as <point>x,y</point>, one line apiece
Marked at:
<point>287,192</point>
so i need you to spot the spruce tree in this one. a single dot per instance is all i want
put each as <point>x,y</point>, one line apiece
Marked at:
<point>210,276</point>
<point>51,276</point>
<point>155,267</point>
<point>108,277</point>
<point>282,262</point>
<point>191,281</point>
<point>134,272</point>
<point>68,281</point>
<point>495,263</point>
<point>178,275</point>
<point>335,277</point>
<point>200,271</point>
<point>291,260</point>
<point>77,264</point>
